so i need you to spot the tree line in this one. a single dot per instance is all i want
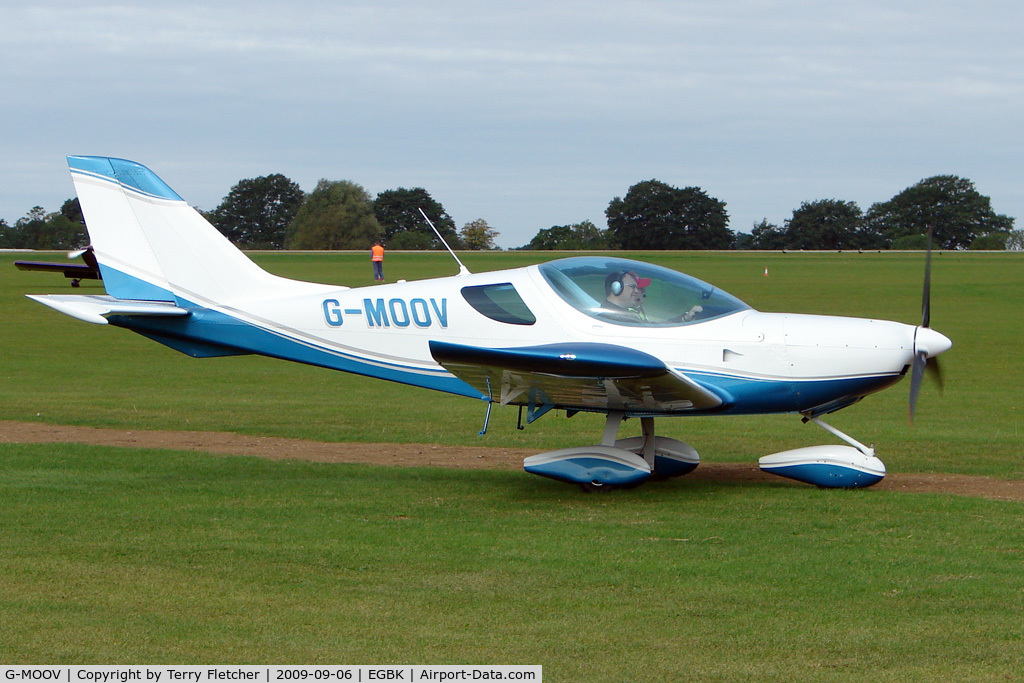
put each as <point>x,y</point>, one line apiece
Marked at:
<point>272,212</point>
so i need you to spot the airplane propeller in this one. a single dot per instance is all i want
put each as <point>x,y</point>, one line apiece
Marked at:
<point>926,340</point>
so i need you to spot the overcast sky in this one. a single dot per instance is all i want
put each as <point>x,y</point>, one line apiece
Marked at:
<point>527,114</point>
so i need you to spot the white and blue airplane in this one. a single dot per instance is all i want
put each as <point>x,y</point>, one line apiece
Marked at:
<point>594,333</point>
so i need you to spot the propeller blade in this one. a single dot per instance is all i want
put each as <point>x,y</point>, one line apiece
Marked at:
<point>916,373</point>
<point>935,370</point>
<point>926,298</point>
<point>921,364</point>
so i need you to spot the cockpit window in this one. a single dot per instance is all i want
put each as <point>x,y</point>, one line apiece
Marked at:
<point>633,293</point>
<point>499,302</point>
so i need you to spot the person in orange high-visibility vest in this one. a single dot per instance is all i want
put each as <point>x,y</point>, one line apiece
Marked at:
<point>377,256</point>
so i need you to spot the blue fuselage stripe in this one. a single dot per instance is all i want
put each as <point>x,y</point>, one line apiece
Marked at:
<point>749,396</point>
<point>221,330</point>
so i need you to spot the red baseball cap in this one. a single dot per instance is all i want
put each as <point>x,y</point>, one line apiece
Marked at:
<point>641,282</point>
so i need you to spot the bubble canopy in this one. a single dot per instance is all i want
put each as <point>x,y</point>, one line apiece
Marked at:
<point>633,293</point>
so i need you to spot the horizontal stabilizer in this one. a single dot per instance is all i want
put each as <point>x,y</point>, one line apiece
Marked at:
<point>96,308</point>
<point>581,376</point>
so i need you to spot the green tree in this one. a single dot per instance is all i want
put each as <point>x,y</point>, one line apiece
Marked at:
<point>6,236</point>
<point>993,241</point>
<point>478,236</point>
<point>767,236</point>
<point>826,224</point>
<point>555,237</point>
<point>654,215</point>
<point>583,235</point>
<point>1015,240</point>
<point>337,214</point>
<point>949,206</point>
<point>398,212</point>
<point>257,211</point>
<point>586,235</point>
<point>910,243</point>
<point>72,210</point>
<point>41,230</point>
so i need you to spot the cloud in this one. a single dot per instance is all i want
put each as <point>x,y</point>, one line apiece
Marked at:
<point>527,114</point>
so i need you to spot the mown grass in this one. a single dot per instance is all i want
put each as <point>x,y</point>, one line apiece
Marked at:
<point>114,555</point>
<point>132,556</point>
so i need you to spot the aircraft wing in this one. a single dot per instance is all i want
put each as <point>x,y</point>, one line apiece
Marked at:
<point>583,376</point>
<point>75,271</point>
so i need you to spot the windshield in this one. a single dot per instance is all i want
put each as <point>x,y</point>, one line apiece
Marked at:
<point>634,293</point>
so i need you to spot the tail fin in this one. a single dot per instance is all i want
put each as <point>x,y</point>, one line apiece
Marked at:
<point>151,245</point>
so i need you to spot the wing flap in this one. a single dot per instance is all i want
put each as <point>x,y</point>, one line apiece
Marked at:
<point>95,308</point>
<point>583,376</point>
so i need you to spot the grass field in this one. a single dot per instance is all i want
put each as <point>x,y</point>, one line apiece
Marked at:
<point>129,556</point>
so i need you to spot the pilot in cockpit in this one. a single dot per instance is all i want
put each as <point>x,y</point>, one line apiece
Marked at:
<point>624,299</point>
<point>624,294</point>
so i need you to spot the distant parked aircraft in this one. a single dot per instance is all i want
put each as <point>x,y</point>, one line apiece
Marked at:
<point>76,272</point>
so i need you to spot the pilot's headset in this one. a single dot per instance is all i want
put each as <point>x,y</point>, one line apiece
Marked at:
<point>615,285</point>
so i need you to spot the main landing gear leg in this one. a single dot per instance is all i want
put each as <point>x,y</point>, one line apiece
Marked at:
<point>667,457</point>
<point>612,421</point>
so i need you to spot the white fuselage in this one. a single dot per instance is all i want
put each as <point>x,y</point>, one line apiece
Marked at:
<point>754,358</point>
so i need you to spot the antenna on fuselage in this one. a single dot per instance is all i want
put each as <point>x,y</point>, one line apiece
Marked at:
<point>463,270</point>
